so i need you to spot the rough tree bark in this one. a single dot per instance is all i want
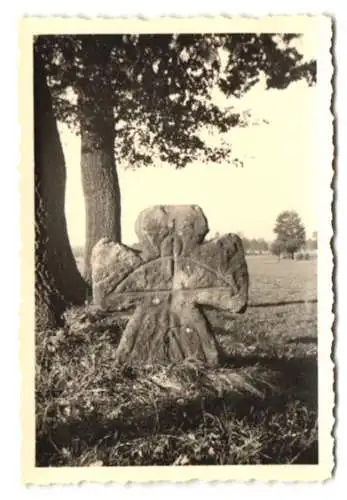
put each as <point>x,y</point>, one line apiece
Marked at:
<point>99,177</point>
<point>57,280</point>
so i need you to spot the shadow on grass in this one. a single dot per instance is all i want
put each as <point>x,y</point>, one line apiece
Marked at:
<point>282,303</point>
<point>297,375</point>
<point>283,365</point>
<point>302,340</point>
<point>295,380</point>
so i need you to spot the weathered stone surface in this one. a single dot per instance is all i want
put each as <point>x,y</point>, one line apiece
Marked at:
<point>167,284</point>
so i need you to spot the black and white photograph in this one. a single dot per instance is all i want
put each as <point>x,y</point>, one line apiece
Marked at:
<point>178,299</point>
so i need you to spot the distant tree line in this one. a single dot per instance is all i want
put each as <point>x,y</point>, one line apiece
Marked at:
<point>290,239</point>
<point>255,245</point>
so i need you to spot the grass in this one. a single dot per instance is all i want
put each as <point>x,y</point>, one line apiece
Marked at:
<point>259,407</point>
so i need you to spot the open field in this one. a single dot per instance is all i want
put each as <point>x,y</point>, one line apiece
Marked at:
<point>259,407</point>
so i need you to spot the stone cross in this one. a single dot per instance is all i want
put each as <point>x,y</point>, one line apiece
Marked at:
<point>166,284</point>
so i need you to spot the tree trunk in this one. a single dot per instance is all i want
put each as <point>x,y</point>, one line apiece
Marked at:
<point>99,177</point>
<point>57,280</point>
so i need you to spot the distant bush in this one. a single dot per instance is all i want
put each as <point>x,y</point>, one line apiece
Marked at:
<point>303,256</point>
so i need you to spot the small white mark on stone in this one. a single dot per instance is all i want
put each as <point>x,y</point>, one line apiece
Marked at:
<point>188,330</point>
<point>156,301</point>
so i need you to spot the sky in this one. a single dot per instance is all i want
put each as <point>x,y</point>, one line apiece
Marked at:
<point>278,172</point>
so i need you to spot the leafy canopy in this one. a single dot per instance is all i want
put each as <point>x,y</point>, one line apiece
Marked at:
<point>290,231</point>
<point>156,90</point>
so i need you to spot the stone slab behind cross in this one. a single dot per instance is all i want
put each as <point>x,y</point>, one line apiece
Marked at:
<point>165,285</point>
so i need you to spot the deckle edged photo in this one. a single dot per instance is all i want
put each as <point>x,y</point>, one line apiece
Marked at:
<point>177,270</point>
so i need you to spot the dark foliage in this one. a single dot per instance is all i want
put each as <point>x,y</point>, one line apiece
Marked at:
<point>159,86</point>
